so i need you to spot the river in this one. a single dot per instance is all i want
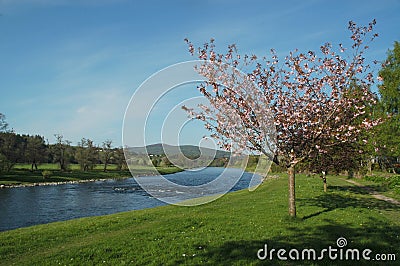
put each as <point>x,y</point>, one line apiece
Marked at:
<point>26,206</point>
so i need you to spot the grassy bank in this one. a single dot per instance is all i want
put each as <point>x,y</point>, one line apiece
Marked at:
<point>21,174</point>
<point>228,231</point>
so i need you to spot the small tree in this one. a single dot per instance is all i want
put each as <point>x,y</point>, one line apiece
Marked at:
<point>81,154</point>
<point>106,153</point>
<point>61,150</point>
<point>36,150</point>
<point>3,123</point>
<point>309,98</point>
<point>3,127</point>
<point>165,162</point>
<point>86,154</point>
<point>119,158</point>
<point>12,147</point>
<point>344,157</point>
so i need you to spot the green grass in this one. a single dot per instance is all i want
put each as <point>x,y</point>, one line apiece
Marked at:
<point>20,174</point>
<point>228,231</point>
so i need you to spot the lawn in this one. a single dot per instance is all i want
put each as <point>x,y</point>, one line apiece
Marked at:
<point>20,174</point>
<point>228,231</point>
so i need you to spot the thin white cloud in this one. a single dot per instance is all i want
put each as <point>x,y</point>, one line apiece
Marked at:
<point>16,3</point>
<point>96,114</point>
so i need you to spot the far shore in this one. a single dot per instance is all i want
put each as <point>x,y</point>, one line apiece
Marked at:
<point>69,182</point>
<point>23,177</point>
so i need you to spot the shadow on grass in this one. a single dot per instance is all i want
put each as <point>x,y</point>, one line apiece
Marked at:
<point>374,233</point>
<point>331,201</point>
<point>363,190</point>
<point>381,238</point>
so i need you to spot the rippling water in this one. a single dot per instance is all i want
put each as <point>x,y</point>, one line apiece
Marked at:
<point>25,206</point>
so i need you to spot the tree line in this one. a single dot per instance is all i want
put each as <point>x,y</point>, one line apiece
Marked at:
<point>34,150</point>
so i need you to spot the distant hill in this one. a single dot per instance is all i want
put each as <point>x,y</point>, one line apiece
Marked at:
<point>188,150</point>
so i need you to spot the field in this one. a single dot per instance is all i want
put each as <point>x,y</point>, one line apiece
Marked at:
<point>228,231</point>
<point>20,174</point>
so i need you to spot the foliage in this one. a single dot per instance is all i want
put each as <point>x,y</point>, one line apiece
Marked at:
<point>3,123</point>
<point>46,174</point>
<point>36,151</point>
<point>12,148</point>
<point>187,150</point>
<point>183,160</point>
<point>388,134</point>
<point>340,158</point>
<point>275,168</point>
<point>119,159</point>
<point>106,153</point>
<point>392,182</point>
<point>61,150</point>
<point>390,75</point>
<point>311,98</point>
<point>86,154</point>
<point>3,162</point>
<point>16,148</point>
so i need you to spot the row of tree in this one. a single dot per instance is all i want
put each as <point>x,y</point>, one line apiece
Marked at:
<point>183,161</point>
<point>16,148</point>
<point>34,150</point>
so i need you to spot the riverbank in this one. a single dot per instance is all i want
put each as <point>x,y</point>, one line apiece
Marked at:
<point>23,178</point>
<point>41,205</point>
<point>228,231</point>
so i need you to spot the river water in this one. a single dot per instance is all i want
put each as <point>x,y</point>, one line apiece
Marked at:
<point>26,206</point>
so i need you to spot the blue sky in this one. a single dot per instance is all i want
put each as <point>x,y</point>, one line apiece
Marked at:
<point>70,67</point>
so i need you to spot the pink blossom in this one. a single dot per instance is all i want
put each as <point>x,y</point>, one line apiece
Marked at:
<point>302,101</point>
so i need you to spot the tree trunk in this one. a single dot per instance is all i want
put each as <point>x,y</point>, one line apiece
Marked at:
<point>62,160</point>
<point>370,166</point>
<point>62,164</point>
<point>34,165</point>
<point>105,166</point>
<point>292,197</point>
<point>324,180</point>
<point>9,167</point>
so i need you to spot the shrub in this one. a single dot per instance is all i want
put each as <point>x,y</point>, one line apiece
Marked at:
<point>277,168</point>
<point>46,174</point>
<point>392,182</point>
